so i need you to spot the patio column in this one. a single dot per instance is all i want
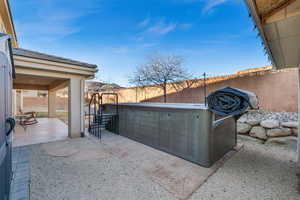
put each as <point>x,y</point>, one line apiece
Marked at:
<point>14,102</point>
<point>76,98</point>
<point>51,103</point>
<point>19,101</point>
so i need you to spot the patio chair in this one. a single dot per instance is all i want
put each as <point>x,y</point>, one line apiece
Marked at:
<point>27,118</point>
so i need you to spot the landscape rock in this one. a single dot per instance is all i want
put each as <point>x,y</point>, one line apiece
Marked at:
<point>270,123</point>
<point>258,132</point>
<point>279,132</point>
<point>243,128</point>
<point>289,142</point>
<point>253,122</point>
<point>242,120</point>
<point>290,124</point>
<point>248,138</point>
<point>295,131</point>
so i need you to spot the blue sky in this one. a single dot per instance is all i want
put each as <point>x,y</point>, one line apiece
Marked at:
<point>214,36</point>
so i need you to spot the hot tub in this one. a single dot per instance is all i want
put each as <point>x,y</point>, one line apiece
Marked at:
<point>189,131</point>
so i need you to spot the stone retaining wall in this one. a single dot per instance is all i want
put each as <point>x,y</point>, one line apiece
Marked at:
<point>267,126</point>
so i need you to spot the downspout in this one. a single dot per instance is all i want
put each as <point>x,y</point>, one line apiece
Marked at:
<point>298,146</point>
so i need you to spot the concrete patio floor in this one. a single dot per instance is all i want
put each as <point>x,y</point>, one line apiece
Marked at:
<point>46,130</point>
<point>119,168</point>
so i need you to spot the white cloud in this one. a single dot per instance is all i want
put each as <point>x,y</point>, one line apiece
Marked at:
<point>120,50</point>
<point>185,26</point>
<point>211,4</point>
<point>50,20</point>
<point>145,22</point>
<point>162,28</point>
<point>149,45</point>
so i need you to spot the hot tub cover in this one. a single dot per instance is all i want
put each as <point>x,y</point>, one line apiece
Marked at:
<point>231,101</point>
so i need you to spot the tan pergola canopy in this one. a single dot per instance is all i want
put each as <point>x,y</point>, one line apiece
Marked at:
<point>278,22</point>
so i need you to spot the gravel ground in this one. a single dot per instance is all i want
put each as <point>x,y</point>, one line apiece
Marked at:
<point>82,178</point>
<point>256,172</point>
<point>263,115</point>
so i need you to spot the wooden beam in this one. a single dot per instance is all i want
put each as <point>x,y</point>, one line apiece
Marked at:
<point>29,86</point>
<point>272,12</point>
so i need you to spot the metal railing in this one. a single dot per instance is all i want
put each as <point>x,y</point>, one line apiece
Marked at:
<point>99,120</point>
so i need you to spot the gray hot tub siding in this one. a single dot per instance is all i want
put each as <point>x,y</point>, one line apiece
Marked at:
<point>184,131</point>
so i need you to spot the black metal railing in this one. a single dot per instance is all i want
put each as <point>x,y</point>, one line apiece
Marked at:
<point>99,120</point>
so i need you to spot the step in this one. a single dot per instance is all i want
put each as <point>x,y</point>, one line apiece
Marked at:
<point>105,115</point>
<point>102,122</point>
<point>98,125</point>
<point>103,119</point>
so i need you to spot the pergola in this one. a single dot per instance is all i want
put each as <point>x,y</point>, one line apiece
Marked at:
<point>38,71</point>
<point>278,23</point>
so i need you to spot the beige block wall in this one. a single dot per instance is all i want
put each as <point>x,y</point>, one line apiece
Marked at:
<point>40,104</point>
<point>277,90</point>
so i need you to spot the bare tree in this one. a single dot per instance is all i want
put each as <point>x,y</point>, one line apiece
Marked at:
<point>185,84</point>
<point>159,71</point>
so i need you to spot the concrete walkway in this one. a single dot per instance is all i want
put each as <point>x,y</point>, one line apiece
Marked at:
<point>46,130</point>
<point>21,175</point>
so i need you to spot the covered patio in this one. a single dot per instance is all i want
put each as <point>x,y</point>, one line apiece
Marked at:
<point>38,71</point>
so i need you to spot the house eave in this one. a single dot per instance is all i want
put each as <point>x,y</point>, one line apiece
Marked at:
<point>252,8</point>
<point>39,64</point>
<point>8,21</point>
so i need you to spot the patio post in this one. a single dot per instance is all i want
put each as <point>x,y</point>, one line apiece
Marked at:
<point>14,102</point>
<point>19,101</point>
<point>76,95</point>
<point>51,103</point>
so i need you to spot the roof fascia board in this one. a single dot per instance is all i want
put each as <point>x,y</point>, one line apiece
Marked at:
<point>45,67</point>
<point>63,66</point>
<point>51,74</point>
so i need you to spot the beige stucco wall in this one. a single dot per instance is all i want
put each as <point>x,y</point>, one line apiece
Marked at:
<point>2,27</point>
<point>6,23</point>
<point>277,90</point>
